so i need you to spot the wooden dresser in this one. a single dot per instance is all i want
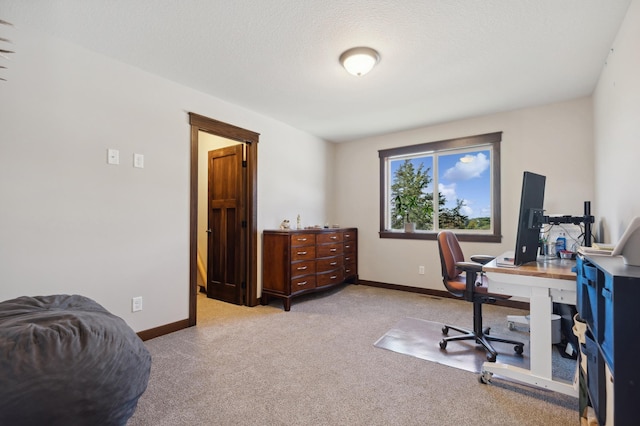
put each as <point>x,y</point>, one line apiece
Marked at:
<point>296,262</point>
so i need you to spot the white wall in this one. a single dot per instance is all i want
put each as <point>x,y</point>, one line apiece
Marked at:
<point>617,131</point>
<point>554,140</point>
<point>70,223</point>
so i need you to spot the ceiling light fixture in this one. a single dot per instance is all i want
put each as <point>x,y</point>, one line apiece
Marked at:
<point>359,60</point>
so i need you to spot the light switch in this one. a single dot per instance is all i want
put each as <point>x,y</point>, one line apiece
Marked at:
<point>138,161</point>
<point>113,156</point>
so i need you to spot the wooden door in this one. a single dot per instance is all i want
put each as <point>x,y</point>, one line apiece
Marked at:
<point>225,263</point>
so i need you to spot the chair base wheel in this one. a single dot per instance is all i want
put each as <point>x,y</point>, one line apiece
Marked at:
<point>443,344</point>
<point>491,357</point>
<point>445,330</point>
<point>518,349</point>
<point>485,377</point>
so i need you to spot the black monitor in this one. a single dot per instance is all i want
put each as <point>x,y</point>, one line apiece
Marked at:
<point>531,218</point>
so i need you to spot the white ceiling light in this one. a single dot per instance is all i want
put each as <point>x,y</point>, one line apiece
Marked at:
<point>359,60</point>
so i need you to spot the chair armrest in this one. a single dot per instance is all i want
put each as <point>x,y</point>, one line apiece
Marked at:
<point>482,258</point>
<point>469,266</point>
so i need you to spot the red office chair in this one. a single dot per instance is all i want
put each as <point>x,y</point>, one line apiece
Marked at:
<point>470,286</point>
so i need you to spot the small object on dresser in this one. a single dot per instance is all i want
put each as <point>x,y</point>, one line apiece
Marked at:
<point>285,224</point>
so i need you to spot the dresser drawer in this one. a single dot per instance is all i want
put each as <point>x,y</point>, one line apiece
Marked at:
<point>350,268</point>
<point>330,237</point>
<point>327,278</point>
<point>302,240</point>
<point>303,253</point>
<point>349,258</point>
<point>349,247</point>
<point>329,264</point>
<point>303,283</point>
<point>328,250</point>
<point>349,236</point>
<point>303,268</point>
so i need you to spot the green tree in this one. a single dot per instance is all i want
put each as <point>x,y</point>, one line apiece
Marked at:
<point>452,218</point>
<point>409,185</point>
<point>411,202</point>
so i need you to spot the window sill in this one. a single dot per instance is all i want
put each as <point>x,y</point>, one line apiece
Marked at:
<point>421,235</point>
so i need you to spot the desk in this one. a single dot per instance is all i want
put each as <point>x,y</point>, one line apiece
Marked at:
<point>542,283</point>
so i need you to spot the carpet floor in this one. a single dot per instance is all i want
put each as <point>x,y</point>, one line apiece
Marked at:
<point>317,365</point>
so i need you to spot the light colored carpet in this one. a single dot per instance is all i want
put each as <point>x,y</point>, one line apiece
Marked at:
<point>317,365</point>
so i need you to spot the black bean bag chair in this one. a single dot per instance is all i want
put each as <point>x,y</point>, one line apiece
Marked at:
<point>65,360</point>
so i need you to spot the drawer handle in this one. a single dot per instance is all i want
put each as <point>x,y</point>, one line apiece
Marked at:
<point>333,237</point>
<point>347,259</point>
<point>302,283</point>
<point>347,235</point>
<point>347,270</point>
<point>333,263</point>
<point>333,249</point>
<point>347,246</point>
<point>302,268</point>
<point>302,239</point>
<point>302,253</point>
<point>606,293</point>
<point>333,277</point>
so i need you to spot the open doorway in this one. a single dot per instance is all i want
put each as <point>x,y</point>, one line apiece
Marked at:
<point>248,245</point>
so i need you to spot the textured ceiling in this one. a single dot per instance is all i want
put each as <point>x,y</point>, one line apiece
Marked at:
<point>440,60</point>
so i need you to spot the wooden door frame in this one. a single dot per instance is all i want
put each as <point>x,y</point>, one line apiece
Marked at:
<point>200,123</point>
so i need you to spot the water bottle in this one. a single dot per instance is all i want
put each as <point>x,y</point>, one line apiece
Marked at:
<point>561,244</point>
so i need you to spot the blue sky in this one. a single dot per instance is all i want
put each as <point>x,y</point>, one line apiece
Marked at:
<point>461,176</point>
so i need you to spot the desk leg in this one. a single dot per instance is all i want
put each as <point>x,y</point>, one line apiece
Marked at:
<point>540,372</point>
<point>540,337</point>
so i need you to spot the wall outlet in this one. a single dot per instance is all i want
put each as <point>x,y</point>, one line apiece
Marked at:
<point>113,156</point>
<point>136,304</point>
<point>421,270</point>
<point>138,161</point>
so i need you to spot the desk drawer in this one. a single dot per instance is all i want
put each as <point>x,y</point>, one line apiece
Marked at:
<point>595,376</point>
<point>587,294</point>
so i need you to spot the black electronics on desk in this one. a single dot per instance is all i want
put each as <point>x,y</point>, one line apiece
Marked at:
<point>532,218</point>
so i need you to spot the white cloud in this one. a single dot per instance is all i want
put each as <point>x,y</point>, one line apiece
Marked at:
<point>472,168</point>
<point>449,191</point>
<point>466,209</point>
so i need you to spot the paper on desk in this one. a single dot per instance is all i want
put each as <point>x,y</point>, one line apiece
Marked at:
<point>597,250</point>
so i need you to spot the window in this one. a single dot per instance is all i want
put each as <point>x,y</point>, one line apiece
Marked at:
<point>462,174</point>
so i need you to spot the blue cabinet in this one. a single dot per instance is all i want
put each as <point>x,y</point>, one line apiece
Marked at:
<point>608,300</point>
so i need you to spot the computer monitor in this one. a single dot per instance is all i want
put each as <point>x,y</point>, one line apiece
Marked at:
<point>531,218</point>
